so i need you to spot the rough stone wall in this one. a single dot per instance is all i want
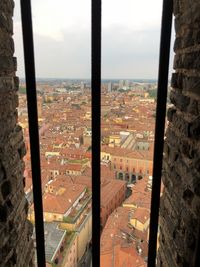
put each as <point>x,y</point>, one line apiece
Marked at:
<point>180,204</point>
<point>16,246</point>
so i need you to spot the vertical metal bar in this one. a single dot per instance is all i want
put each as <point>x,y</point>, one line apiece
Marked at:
<point>160,126</point>
<point>33,127</point>
<point>96,129</point>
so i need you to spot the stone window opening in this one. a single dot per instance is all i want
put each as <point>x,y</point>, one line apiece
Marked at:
<point>183,132</point>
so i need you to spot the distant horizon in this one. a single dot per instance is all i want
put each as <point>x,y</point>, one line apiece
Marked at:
<point>89,79</point>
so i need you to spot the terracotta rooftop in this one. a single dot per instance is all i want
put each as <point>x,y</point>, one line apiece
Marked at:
<point>73,166</point>
<point>127,256</point>
<point>109,189</point>
<point>140,197</point>
<point>141,214</point>
<point>116,223</point>
<point>78,179</point>
<point>62,197</point>
<point>122,152</point>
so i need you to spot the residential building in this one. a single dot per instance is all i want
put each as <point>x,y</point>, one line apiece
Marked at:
<point>60,246</point>
<point>112,196</point>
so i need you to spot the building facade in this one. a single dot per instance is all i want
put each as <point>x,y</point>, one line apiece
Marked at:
<point>112,196</point>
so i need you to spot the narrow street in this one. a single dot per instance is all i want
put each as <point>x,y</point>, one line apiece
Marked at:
<point>86,260</point>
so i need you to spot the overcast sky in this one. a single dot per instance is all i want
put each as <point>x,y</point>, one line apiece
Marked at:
<point>62,36</point>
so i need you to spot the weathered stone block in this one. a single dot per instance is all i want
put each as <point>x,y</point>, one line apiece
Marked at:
<point>6,189</point>
<point>6,23</point>
<point>170,113</point>
<point>3,213</point>
<point>188,196</point>
<point>172,138</point>
<point>8,63</point>
<point>187,61</point>
<point>173,178</point>
<point>191,85</point>
<point>190,239</point>
<point>196,185</point>
<point>2,173</point>
<point>8,84</point>
<point>192,38</point>
<point>7,6</point>
<point>8,104</point>
<point>176,80</point>
<point>6,45</point>
<point>196,207</point>
<point>194,129</point>
<point>191,14</point>
<point>179,100</point>
<point>22,151</point>
<point>193,107</point>
<point>181,125</point>
<point>176,7</point>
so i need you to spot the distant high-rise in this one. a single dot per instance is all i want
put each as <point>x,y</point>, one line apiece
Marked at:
<point>121,84</point>
<point>82,86</point>
<point>127,83</point>
<point>109,87</point>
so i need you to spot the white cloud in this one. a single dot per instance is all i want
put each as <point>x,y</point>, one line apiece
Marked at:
<point>62,33</point>
<point>52,18</point>
<point>133,14</point>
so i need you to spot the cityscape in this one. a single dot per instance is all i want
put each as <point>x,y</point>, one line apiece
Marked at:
<point>148,211</point>
<point>127,139</point>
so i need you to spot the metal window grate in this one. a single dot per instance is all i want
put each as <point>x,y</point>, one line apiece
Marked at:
<point>96,130</point>
<point>33,127</point>
<point>160,126</point>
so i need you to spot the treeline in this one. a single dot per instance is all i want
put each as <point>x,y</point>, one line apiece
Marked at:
<point>153,93</point>
<point>22,90</point>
